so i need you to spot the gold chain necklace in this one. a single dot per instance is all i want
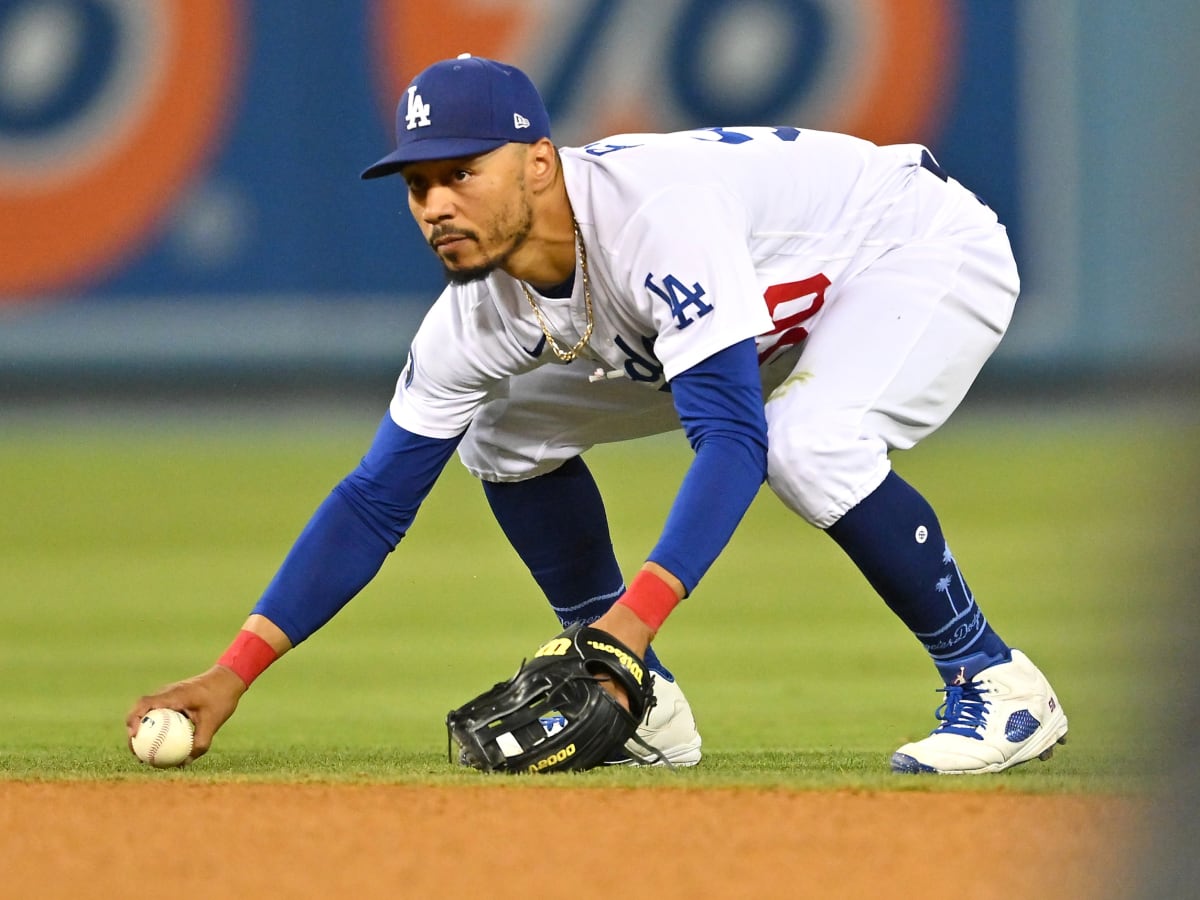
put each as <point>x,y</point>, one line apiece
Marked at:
<point>568,355</point>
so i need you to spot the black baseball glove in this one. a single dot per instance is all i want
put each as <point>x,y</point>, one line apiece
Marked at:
<point>554,715</point>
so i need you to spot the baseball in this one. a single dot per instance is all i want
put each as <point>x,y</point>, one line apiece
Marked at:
<point>164,739</point>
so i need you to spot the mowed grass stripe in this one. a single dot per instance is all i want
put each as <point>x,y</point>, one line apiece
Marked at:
<point>128,556</point>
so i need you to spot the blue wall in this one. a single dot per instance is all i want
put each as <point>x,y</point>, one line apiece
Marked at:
<point>182,191</point>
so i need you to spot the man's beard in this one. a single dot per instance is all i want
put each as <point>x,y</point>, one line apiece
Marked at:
<point>475,273</point>
<point>458,275</point>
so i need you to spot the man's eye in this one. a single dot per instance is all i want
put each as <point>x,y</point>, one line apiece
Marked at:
<point>461,175</point>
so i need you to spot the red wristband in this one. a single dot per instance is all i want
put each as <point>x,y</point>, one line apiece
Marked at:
<point>248,656</point>
<point>650,598</point>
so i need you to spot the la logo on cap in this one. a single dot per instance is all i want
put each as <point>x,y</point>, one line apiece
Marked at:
<point>418,110</point>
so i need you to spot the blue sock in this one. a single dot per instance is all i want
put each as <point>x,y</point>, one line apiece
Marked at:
<point>894,538</point>
<point>557,524</point>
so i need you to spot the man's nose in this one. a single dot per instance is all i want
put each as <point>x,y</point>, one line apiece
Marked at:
<point>439,204</point>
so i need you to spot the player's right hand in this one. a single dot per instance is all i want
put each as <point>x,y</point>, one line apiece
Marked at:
<point>208,699</point>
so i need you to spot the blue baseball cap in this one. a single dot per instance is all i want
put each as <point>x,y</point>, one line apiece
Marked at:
<point>464,107</point>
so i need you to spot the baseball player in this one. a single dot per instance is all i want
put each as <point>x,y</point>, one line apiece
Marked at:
<point>800,303</point>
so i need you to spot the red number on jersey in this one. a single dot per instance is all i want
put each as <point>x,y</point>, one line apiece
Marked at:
<point>781,303</point>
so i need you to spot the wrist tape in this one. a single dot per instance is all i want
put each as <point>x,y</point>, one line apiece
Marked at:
<point>248,656</point>
<point>650,598</point>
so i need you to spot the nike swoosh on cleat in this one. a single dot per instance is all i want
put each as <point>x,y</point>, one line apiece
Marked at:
<point>537,349</point>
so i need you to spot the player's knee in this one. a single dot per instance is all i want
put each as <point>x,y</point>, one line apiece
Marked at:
<point>819,475</point>
<point>501,461</point>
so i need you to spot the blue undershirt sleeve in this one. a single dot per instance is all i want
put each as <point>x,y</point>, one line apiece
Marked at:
<point>352,532</point>
<point>720,405</point>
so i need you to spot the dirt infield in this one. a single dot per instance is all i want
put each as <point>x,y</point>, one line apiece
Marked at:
<point>86,840</point>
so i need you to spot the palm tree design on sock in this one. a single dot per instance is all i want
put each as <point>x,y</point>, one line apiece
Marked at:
<point>944,584</point>
<point>963,622</point>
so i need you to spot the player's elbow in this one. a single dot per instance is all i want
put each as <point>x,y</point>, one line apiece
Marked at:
<point>739,447</point>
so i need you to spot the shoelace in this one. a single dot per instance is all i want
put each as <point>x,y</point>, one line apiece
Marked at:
<point>964,712</point>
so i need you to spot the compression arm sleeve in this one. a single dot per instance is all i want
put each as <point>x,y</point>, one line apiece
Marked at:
<point>720,404</point>
<point>350,535</point>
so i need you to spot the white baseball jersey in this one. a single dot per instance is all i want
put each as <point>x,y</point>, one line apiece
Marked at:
<point>698,240</point>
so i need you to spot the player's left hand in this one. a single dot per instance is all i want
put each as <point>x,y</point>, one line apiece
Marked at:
<point>623,624</point>
<point>554,715</point>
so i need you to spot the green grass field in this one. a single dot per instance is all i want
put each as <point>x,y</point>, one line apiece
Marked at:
<point>131,549</point>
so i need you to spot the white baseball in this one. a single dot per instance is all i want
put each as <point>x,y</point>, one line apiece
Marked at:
<point>164,738</point>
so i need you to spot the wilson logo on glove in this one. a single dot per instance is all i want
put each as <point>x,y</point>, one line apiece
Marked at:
<point>628,660</point>
<point>557,647</point>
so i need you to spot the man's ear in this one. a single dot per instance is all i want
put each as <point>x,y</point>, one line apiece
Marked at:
<point>542,164</point>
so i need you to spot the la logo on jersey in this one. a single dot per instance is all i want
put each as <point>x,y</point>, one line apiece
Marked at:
<point>418,110</point>
<point>679,297</point>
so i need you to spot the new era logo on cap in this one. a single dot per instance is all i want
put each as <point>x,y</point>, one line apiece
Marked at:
<point>464,107</point>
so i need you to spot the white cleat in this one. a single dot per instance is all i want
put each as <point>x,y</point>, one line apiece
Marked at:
<point>1004,716</point>
<point>669,728</point>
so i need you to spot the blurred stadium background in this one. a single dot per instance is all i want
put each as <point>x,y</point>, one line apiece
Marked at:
<point>180,206</point>
<point>181,218</point>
